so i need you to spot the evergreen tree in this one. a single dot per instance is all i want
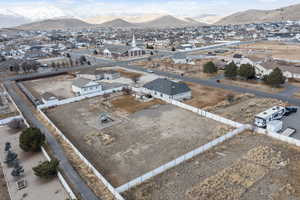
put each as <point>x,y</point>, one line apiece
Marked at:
<point>246,71</point>
<point>11,157</point>
<point>275,78</point>
<point>210,68</point>
<point>31,139</point>
<point>18,170</point>
<point>231,71</point>
<point>7,147</point>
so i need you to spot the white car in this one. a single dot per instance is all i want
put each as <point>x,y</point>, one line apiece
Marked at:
<point>150,71</point>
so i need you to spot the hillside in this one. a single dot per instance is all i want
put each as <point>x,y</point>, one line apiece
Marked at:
<point>166,21</point>
<point>117,23</point>
<point>258,16</point>
<point>52,24</point>
<point>169,21</point>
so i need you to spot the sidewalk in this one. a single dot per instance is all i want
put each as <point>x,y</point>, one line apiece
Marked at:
<point>36,188</point>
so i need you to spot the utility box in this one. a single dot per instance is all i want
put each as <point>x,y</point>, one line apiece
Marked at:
<point>274,126</point>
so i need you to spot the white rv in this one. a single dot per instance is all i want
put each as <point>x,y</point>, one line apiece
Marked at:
<point>274,113</point>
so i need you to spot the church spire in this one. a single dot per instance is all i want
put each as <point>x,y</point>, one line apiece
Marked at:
<point>133,44</point>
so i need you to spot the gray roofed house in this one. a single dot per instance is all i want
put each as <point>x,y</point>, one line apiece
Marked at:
<point>83,86</point>
<point>166,88</point>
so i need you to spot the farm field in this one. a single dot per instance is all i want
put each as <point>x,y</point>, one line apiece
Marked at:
<point>61,86</point>
<point>247,167</point>
<point>123,149</point>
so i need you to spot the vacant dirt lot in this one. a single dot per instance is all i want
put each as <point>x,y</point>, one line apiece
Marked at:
<point>275,49</point>
<point>3,189</point>
<point>246,167</point>
<point>191,70</point>
<point>204,96</point>
<point>61,86</point>
<point>244,107</point>
<point>124,149</point>
<point>252,85</point>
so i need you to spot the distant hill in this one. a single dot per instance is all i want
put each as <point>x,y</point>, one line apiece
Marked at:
<point>166,21</point>
<point>12,20</point>
<point>117,23</point>
<point>169,21</point>
<point>53,24</point>
<point>259,16</point>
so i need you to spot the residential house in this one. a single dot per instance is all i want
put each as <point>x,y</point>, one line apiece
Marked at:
<point>165,88</point>
<point>83,86</point>
<point>182,59</point>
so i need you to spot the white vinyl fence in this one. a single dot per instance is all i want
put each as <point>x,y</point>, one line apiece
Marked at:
<point>95,171</point>
<point>79,98</point>
<point>277,136</point>
<point>193,109</point>
<point>9,119</point>
<point>181,159</point>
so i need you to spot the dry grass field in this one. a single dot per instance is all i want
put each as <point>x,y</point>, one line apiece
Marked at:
<point>129,74</point>
<point>252,85</point>
<point>3,188</point>
<point>247,167</point>
<point>204,96</point>
<point>129,104</point>
<point>275,49</point>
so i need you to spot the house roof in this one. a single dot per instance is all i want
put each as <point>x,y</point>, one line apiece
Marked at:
<point>82,82</point>
<point>48,96</point>
<point>166,86</point>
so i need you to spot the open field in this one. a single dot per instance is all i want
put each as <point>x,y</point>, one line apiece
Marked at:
<point>247,167</point>
<point>273,48</point>
<point>252,85</point>
<point>191,70</point>
<point>204,96</point>
<point>123,149</point>
<point>61,86</point>
<point>244,107</point>
<point>3,189</point>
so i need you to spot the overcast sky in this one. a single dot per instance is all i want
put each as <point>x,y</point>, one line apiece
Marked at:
<point>89,8</point>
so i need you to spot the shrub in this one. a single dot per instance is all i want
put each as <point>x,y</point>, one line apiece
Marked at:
<point>47,169</point>
<point>31,139</point>
<point>210,68</point>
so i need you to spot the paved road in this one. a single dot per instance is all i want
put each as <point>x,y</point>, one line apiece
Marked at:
<point>71,175</point>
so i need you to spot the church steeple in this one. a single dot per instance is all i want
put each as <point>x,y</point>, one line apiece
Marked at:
<point>133,44</point>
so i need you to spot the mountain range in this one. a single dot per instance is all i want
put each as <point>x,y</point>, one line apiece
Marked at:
<point>38,19</point>
<point>259,16</point>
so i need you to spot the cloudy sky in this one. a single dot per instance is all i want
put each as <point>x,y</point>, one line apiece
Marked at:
<point>90,8</point>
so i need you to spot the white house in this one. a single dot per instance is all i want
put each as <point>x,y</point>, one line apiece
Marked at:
<point>83,86</point>
<point>164,88</point>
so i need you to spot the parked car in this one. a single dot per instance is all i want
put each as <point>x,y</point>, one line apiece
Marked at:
<point>150,71</point>
<point>290,110</point>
